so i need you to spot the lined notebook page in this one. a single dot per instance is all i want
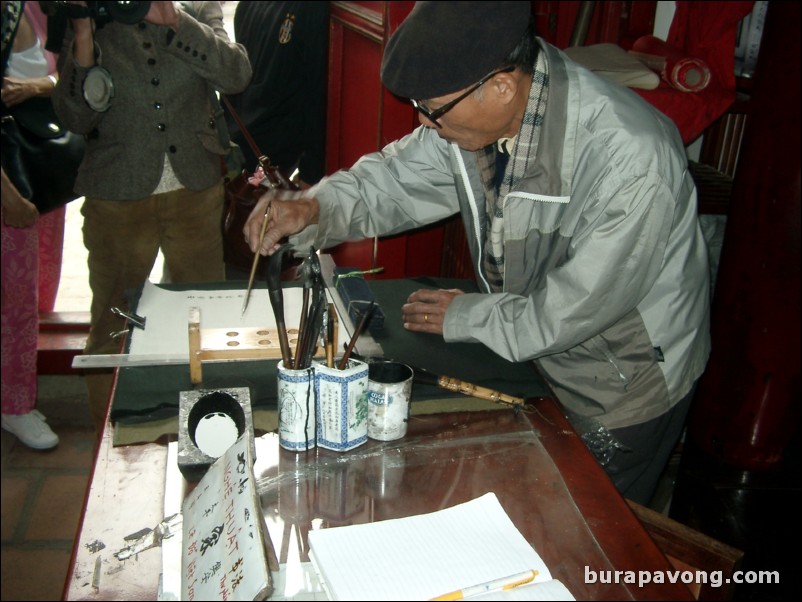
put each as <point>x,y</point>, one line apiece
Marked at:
<point>423,556</point>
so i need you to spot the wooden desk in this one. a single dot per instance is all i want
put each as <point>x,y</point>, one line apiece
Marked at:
<point>543,475</point>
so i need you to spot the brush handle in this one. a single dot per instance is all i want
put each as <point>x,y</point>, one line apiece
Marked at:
<point>276,294</point>
<point>460,386</point>
<point>277,302</point>
<point>359,329</point>
<point>301,328</point>
<point>449,383</point>
<point>314,327</point>
<point>256,256</point>
<point>330,341</point>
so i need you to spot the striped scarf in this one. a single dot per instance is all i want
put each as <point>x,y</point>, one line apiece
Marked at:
<point>523,152</point>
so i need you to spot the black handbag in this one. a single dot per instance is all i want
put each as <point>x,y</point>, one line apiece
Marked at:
<point>50,154</point>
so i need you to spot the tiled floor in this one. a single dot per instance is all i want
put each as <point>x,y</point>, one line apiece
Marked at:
<point>43,493</point>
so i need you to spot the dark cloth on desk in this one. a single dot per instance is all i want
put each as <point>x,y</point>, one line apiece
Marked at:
<point>471,362</point>
<point>145,394</point>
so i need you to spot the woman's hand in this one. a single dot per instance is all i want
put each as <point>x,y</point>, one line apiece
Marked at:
<point>163,13</point>
<point>83,48</point>
<point>16,90</point>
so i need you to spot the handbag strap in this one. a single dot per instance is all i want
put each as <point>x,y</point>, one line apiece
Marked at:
<point>263,160</point>
<point>272,173</point>
<point>219,116</point>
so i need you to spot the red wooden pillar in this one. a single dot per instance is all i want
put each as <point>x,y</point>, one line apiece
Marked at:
<point>363,117</point>
<point>747,406</point>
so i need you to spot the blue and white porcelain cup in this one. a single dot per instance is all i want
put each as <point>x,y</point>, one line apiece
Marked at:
<point>342,405</point>
<point>297,424</point>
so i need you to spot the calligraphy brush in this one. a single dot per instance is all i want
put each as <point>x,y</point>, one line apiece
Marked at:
<point>276,294</point>
<point>314,328</point>
<point>362,324</point>
<point>335,323</point>
<point>306,271</point>
<point>256,257</point>
<point>331,335</point>
<point>449,383</point>
<point>314,321</point>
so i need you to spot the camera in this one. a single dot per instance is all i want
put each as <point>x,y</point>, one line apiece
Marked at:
<point>101,13</point>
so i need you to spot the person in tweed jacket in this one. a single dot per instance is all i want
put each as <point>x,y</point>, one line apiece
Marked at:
<point>152,174</point>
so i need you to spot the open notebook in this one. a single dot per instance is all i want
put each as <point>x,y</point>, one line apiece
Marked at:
<point>428,555</point>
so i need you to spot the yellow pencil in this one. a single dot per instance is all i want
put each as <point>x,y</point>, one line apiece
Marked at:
<point>496,585</point>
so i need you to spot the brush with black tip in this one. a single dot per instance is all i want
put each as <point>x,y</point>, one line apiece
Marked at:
<point>276,294</point>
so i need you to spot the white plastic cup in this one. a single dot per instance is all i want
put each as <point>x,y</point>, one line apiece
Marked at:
<point>389,392</point>
<point>297,426</point>
<point>342,405</point>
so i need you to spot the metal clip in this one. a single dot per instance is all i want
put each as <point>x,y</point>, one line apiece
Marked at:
<point>134,319</point>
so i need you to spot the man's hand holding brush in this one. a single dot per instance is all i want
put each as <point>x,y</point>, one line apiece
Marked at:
<point>291,212</point>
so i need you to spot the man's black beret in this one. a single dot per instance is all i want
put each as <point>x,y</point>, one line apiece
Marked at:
<point>442,47</point>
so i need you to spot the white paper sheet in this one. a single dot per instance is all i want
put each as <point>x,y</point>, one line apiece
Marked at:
<point>167,314</point>
<point>428,555</point>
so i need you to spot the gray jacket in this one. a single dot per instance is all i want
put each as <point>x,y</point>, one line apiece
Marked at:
<point>606,277</point>
<point>160,104</point>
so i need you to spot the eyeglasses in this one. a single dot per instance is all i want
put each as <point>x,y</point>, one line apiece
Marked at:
<point>433,116</point>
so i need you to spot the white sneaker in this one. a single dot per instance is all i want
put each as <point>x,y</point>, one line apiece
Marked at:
<point>31,429</point>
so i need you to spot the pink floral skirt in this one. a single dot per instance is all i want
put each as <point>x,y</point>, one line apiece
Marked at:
<point>31,269</point>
